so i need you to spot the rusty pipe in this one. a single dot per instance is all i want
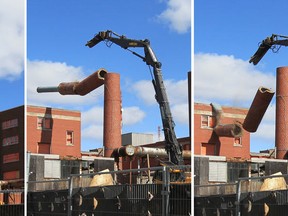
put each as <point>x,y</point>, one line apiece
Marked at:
<point>123,151</point>
<point>140,151</point>
<point>257,109</point>
<point>228,130</point>
<point>90,83</point>
<point>84,87</point>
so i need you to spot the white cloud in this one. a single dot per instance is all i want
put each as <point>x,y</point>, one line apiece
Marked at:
<point>177,15</point>
<point>180,113</point>
<point>145,91</point>
<point>132,115</point>
<point>47,74</point>
<point>177,93</point>
<point>92,121</point>
<point>12,38</point>
<point>94,132</point>
<point>225,78</point>
<point>92,116</point>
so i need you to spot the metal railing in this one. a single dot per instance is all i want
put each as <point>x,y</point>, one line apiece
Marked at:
<point>125,192</point>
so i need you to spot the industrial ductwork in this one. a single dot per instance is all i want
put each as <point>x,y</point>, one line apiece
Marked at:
<point>82,88</point>
<point>140,151</point>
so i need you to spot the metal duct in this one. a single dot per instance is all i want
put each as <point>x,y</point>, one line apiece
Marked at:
<point>228,130</point>
<point>140,151</point>
<point>112,113</point>
<point>90,83</point>
<point>67,88</point>
<point>257,109</point>
<point>281,113</point>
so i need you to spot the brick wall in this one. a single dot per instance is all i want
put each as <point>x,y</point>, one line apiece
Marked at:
<point>51,137</point>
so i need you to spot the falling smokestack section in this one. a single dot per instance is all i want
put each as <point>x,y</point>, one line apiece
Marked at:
<point>217,112</point>
<point>257,109</point>
<point>224,130</point>
<point>112,113</point>
<point>228,130</point>
<point>282,113</point>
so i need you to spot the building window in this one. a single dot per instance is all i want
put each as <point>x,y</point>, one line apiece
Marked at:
<point>11,175</point>
<point>237,170</point>
<point>52,169</point>
<point>10,141</point>
<point>69,138</point>
<point>207,121</point>
<point>9,124</point>
<point>237,141</point>
<point>217,171</point>
<point>69,167</point>
<point>9,158</point>
<point>44,123</point>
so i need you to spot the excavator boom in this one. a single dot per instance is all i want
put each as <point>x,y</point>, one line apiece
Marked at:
<point>268,43</point>
<point>173,147</point>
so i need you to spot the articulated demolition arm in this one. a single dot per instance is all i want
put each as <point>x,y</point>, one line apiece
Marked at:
<point>269,43</point>
<point>173,148</point>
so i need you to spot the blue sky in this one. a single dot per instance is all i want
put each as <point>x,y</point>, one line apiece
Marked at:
<point>12,53</point>
<point>226,35</point>
<point>57,32</point>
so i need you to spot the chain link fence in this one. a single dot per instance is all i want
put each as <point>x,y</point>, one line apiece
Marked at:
<point>130,192</point>
<point>265,195</point>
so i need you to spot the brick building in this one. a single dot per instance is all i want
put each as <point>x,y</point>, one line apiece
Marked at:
<point>53,131</point>
<point>12,144</point>
<point>206,142</point>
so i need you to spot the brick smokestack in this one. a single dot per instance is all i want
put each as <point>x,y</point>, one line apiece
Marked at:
<point>112,113</point>
<point>282,113</point>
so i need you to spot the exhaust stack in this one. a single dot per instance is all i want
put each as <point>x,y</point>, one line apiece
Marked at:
<point>281,113</point>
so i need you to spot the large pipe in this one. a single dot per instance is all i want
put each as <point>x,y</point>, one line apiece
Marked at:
<point>92,82</point>
<point>281,113</point>
<point>228,130</point>
<point>112,113</point>
<point>140,151</point>
<point>257,109</point>
<point>84,87</point>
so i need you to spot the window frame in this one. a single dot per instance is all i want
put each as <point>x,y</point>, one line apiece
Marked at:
<point>68,142</point>
<point>210,121</point>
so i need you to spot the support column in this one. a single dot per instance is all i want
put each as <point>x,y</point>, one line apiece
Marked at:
<point>281,113</point>
<point>112,113</point>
